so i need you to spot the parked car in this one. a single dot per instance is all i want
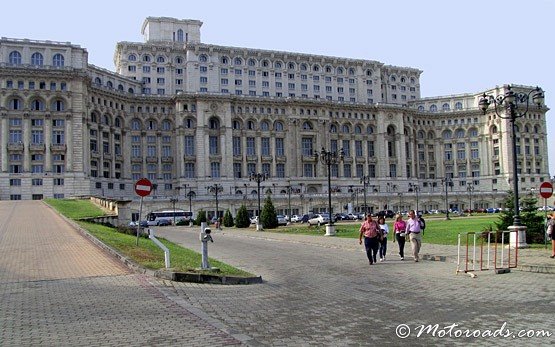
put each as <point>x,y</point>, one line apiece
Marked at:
<point>281,219</point>
<point>386,213</point>
<point>164,222</point>
<point>295,218</point>
<point>319,219</point>
<point>144,224</point>
<point>306,217</point>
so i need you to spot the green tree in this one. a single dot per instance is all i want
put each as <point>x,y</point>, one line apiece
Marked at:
<point>228,219</point>
<point>268,216</point>
<point>201,217</point>
<point>528,217</point>
<point>242,218</point>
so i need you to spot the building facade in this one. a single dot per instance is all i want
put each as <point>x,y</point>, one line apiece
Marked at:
<point>189,115</point>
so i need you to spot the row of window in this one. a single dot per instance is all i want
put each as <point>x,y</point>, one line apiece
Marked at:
<point>36,104</point>
<point>37,59</point>
<point>32,85</point>
<point>15,136</point>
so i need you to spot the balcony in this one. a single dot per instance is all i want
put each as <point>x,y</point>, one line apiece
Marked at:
<point>37,147</point>
<point>136,159</point>
<point>119,157</point>
<point>15,146</point>
<point>151,159</point>
<point>95,154</point>
<point>58,147</point>
<point>167,159</point>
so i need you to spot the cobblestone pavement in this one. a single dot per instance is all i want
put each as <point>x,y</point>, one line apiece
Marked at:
<point>58,289</point>
<point>321,291</point>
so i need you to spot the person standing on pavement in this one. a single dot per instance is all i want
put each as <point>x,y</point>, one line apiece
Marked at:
<point>551,233</point>
<point>371,231</point>
<point>399,229</point>
<point>413,230</point>
<point>383,243</point>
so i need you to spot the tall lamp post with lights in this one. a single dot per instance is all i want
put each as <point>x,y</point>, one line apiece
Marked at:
<point>415,188</point>
<point>365,180</point>
<point>447,181</point>
<point>330,158</point>
<point>258,177</point>
<point>515,105</point>
<point>215,189</point>
<point>470,189</point>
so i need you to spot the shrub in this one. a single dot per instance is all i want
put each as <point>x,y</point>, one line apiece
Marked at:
<point>228,219</point>
<point>242,218</point>
<point>268,217</point>
<point>201,217</point>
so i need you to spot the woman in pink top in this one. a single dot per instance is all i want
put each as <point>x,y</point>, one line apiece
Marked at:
<point>371,231</point>
<point>399,228</point>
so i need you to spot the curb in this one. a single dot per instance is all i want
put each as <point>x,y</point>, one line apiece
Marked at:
<point>163,274</point>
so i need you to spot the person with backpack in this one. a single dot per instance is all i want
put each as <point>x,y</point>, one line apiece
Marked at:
<point>414,232</point>
<point>422,223</point>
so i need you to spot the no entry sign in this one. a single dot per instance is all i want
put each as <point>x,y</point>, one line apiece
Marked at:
<point>546,190</point>
<point>143,187</point>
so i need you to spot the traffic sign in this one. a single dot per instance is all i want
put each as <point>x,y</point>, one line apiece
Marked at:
<point>143,187</point>
<point>546,190</point>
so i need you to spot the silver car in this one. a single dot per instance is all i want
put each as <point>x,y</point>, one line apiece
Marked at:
<point>319,219</point>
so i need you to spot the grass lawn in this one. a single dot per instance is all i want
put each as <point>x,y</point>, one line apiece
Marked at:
<point>438,230</point>
<point>147,254</point>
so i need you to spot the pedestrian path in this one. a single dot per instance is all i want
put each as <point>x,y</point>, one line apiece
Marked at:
<point>529,259</point>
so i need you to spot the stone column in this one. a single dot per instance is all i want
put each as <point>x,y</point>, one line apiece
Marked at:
<point>4,144</point>
<point>69,142</point>
<point>26,142</point>
<point>47,142</point>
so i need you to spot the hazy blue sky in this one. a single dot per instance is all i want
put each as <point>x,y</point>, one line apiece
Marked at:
<point>462,46</point>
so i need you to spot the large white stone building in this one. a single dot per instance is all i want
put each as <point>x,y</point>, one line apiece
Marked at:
<point>188,115</point>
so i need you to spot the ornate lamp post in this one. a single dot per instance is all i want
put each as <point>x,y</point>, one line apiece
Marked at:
<point>365,180</point>
<point>470,189</point>
<point>258,177</point>
<point>415,188</point>
<point>448,182</point>
<point>330,158</point>
<point>215,189</point>
<point>400,202</point>
<point>516,105</point>
<point>191,195</point>
<point>289,199</point>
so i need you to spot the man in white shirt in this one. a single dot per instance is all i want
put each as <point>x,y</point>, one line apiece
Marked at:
<point>414,232</point>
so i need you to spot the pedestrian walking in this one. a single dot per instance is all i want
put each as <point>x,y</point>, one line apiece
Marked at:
<point>383,242</point>
<point>551,233</point>
<point>371,231</point>
<point>413,230</point>
<point>399,229</point>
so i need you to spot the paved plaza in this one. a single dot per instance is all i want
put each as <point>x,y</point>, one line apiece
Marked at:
<point>58,288</point>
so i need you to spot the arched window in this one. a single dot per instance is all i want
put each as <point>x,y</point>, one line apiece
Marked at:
<point>252,62</point>
<point>304,67</point>
<point>120,87</point>
<point>433,108</point>
<point>250,125</point>
<point>316,68</point>
<point>265,63</point>
<point>131,91</point>
<point>179,35</point>
<point>15,58</point>
<point>420,134</point>
<point>460,133</point>
<point>369,130</point>
<point>179,60</point>
<point>236,125</point>
<point>117,122</point>
<point>445,107</point>
<point>420,108</point>
<point>278,126</point>
<point>328,69</point>
<point>333,128</point>
<point>351,71</point>
<point>132,57</point>
<point>160,59</point>
<point>307,126</point>
<point>214,123</point>
<point>166,125</point>
<point>135,124</point>
<point>151,124</point>
<point>431,135</point>
<point>15,104</point>
<point>494,129</point>
<point>94,118</point>
<point>291,65</point>
<point>106,119</point>
<point>264,126</point>
<point>109,84</point>
<point>458,105</point>
<point>369,73</point>
<point>403,80</point>
<point>98,81</point>
<point>278,65</point>
<point>203,58</point>
<point>393,79</point>
<point>358,129</point>
<point>37,59</point>
<point>189,123</point>
<point>536,129</point>
<point>473,132</point>
<point>391,130</point>
<point>58,60</point>
<point>345,129</point>
<point>37,105</point>
<point>225,60</point>
<point>447,135</point>
<point>57,105</point>
<point>340,71</point>
<point>238,61</point>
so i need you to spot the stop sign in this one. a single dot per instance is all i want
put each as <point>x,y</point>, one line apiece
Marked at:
<point>546,190</point>
<point>143,187</point>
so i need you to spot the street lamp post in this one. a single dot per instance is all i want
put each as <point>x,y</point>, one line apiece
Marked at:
<point>258,177</point>
<point>289,200</point>
<point>470,189</point>
<point>400,202</point>
<point>330,158</point>
<point>447,181</point>
<point>516,105</point>
<point>173,200</point>
<point>190,195</point>
<point>215,189</point>
<point>365,180</point>
<point>415,188</point>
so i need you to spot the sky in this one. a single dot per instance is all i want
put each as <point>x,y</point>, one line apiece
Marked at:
<point>462,46</point>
